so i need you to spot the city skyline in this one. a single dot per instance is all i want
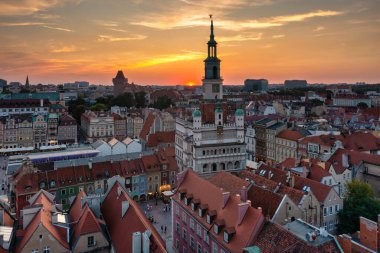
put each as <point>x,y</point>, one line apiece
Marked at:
<point>165,42</point>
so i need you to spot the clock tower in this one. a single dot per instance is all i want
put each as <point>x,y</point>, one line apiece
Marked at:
<point>212,83</point>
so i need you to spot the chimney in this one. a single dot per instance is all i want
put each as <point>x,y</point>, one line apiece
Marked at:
<point>242,210</point>
<point>146,241</point>
<point>136,242</point>
<point>345,160</point>
<point>226,196</point>
<point>243,194</point>
<point>292,181</point>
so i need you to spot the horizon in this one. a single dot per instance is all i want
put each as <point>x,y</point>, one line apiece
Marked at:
<point>164,43</point>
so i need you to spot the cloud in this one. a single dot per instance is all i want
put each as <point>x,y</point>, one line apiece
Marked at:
<point>27,7</point>
<point>58,28</point>
<point>186,56</point>
<point>319,28</point>
<point>110,38</point>
<point>241,37</point>
<point>21,23</point>
<point>65,49</point>
<point>192,20</point>
<point>278,36</point>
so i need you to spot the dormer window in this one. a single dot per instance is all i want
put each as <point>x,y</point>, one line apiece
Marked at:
<point>219,224</point>
<point>202,210</point>
<point>52,183</point>
<point>228,234</point>
<point>188,199</point>
<point>181,194</point>
<point>210,216</point>
<point>42,184</point>
<point>194,204</point>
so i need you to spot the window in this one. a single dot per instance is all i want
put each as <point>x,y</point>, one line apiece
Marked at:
<point>184,217</point>
<point>177,244</point>
<point>192,223</point>
<point>184,234</point>
<point>199,230</point>
<point>46,250</point>
<point>35,251</point>
<point>63,192</point>
<point>177,227</point>
<point>177,211</point>
<point>71,191</point>
<point>199,248</point>
<point>90,241</point>
<point>337,208</point>
<point>192,244</point>
<point>225,237</point>
<point>324,211</point>
<point>206,237</point>
<point>214,248</point>
<point>331,210</point>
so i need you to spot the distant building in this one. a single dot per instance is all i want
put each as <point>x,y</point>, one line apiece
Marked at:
<point>67,130</point>
<point>295,84</point>
<point>27,85</point>
<point>350,100</point>
<point>121,85</point>
<point>78,85</point>
<point>255,85</point>
<point>97,126</point>
<point>3,83</point>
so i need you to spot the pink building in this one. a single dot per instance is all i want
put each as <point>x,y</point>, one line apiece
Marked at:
<point>216,222</point>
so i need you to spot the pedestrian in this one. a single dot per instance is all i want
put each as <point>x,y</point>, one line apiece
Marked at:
<point>162,228</point>
<point>165,229</point>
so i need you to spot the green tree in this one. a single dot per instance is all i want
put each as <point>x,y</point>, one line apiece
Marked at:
<point>362,105</point>
<point>360,200</point>
<point>99,107</point>
<point>140,99</point>
<point>127,99</point>
<point>162,102</point>
<point>76,108</point>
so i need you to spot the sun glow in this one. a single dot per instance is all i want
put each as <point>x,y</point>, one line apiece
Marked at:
<point>191,84</point>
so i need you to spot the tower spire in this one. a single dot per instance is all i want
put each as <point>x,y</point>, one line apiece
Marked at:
<point>27,82</point>
<point>211,29</point>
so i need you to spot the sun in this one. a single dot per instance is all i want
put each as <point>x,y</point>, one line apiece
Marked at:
<point>191,84</point>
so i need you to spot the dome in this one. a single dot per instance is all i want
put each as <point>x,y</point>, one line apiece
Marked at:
<point>197,113</point>
<point>239,112</point>
<point>218,110</point>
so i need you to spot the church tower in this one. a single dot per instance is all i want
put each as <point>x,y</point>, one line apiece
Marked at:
<point>27,85</point>
<point>212,87</point>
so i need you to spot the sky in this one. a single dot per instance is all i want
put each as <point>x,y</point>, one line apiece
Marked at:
<point>163,42</point>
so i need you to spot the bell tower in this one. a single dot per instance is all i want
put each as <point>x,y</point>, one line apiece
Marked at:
<point>212,84</point>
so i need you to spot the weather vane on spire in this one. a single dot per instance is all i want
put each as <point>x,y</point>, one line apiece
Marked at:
<point>210,16</point>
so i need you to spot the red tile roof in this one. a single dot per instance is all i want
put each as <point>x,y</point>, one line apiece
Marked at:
<point>121,228</point>
<point>290,135</point>
<point>354,158</point>
<point>87,224</point>
<point>43,217</point>
<point>266,199</point>
<point>317,173</point>
<point>274,238</point>
<point>229,182</point>
<point>248,229</point>
<point>361,141</point>
<point>161,138</point>
<point>145,131</point>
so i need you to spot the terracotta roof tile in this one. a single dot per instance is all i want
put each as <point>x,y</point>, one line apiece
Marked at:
<point>121,228</point>
<point>229,182</point>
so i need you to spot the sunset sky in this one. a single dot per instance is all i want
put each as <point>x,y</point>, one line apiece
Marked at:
<point>164,41</point>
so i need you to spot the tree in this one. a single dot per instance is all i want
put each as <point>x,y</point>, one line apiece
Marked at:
<point>126,100</point>
<point>362,105</point>
<point>99,107</point>
<point>140,99</point>
<point>162,102</point>
<point>360,200</point>
<point>76,108</point>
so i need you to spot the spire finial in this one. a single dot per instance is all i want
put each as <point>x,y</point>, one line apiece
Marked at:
<point>212,28</point>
